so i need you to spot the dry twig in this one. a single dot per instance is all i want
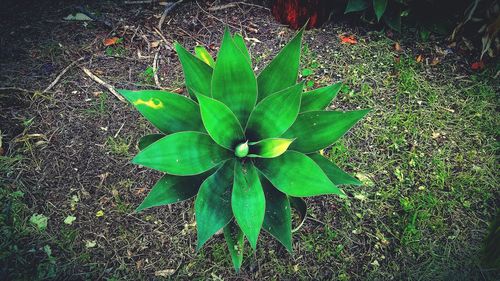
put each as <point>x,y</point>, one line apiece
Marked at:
<point>60,75</point>
<point>106,85</point>
<point>168,9</point>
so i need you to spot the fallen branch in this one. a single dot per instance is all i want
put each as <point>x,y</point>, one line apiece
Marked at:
<point>106,85</point>
<point>155,69</point>
<point>60,75</point>
<point>168,8</point>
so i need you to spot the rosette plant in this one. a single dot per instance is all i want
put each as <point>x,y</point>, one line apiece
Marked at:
<point>246,146</point>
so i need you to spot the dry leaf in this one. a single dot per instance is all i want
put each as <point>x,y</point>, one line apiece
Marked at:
<point>397,47</point>
<point>111,41</point>
<point>419,58</point>
<point>155,44</point>
<point>435,61</point>
<point>164,273</point>
<point>348,39</point>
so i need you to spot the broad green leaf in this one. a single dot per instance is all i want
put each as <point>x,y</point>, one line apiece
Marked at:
<point>315,130</point>
<point>235,242</point>
<point>198,75</point>
<point>278,218</point>
<point>356,6</point>
<point>392,17</point>
<point>379,8</point>
<point>183,154</point>
<point>320,98</point>
<point>168,112</point>
<point>333,172</point>
<point>40,221</point>
<point>295,174</point>
<point>269,148</point>
<point>240,43</point>
<point>248,201</point>
<point>172,189</point>
<point>147,140</point>
<point>300,206</point>
<point>233,81</point>
<point>202,53</point>
<point>213,203</point>
<point>220,122</point>
<point>283,70</point>
<point>274,114</point>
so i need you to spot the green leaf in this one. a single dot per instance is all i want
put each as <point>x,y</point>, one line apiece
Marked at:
<point>283,70</point>
<point>240,43</point>
<point>307,72</point>
<point>274,114</point>
<point>392,17</point>
<point>172,189</point>
<point>147,140</point>
<point>269,148</point>
<point>333,172</point>
<point>278,218</point>
<point>233,81</point>
<point>248,201</point>
<point>379,8</point>
<point>316,130</point>
<point>295,174</point>
<point>202,53</point>
<point>220,122</point>
<point>168,112</point>
<point>300,206</point>
<point>182,154</point>
<point>319,99</point>
<point>356,6</point>
<point>69,220</point>
<point>40,221</point>
<point>198,75</point>
<point>235,243</point>
<point>213,203</point>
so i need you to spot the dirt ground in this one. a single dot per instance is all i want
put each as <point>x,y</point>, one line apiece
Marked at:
<point>427,154</point>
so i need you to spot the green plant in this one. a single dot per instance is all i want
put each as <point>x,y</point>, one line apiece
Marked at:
<point>387,10</point>
<point>247,148</point>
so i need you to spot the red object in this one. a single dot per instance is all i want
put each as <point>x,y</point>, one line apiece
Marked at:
<point>295,13</point>
<point>348,39</point>
<point>478,65</point>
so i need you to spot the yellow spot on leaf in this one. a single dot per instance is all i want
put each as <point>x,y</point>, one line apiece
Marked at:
<point>152,103</point>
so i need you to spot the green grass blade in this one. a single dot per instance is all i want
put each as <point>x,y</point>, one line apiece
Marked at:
<point>168,112</point>
<point>295,174</point>
<point>319,99</point>
<point>274,114</point>
<point>213,203</point>
<point>379,8</point>
<point>283,70</point>
<point>172,189</point>
<point>240,43</point>
<point>183,154</point>
<point>198,75</point>
<point>220,122</point>
<point>202,53</point>
<point>333,172</point>
<point>147,140</point>
<point>315,130</point>
<point>235,243</point>
<point>248,201</point>
<point>278,218</point>
<point>269,148</point>
<point>233,81</point>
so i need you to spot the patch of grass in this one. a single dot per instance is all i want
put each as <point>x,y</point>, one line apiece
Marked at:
<point>99,106</point>
<point>118,146</point>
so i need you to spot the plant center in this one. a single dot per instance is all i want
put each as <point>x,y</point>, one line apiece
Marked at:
<point>241,149</point>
